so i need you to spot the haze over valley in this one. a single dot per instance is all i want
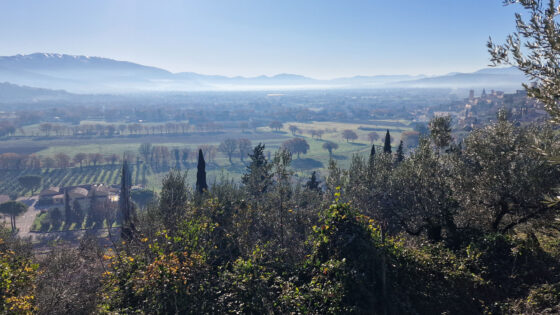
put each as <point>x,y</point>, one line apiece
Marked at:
<point>279,157</point>
<point>94,75</point>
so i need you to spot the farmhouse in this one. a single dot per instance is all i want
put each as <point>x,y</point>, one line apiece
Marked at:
<point>51,196</point>
<point>83,194</point>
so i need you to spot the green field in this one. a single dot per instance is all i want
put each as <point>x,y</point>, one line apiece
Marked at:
<point>316,158</point>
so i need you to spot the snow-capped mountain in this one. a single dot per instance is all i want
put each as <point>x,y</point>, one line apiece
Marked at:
<point>82,74</point>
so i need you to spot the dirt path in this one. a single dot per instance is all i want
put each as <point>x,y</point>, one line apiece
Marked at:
<point>25,221</point>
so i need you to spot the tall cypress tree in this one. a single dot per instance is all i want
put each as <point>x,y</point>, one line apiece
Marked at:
<point>400,153</point>
<point>67,209</point>
<point>387,145</point>
<point>372,154</point>
<point>125,205</point>
<point>201,185</point>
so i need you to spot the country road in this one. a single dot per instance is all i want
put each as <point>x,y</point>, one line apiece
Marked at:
<point>24,223</point>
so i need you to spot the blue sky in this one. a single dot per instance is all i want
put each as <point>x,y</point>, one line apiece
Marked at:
<point>317,38</point>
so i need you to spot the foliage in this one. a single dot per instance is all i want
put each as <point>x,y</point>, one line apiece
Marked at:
<point>173,199</point>
<point>440,131</point>
<point>17,276</point>
<point>349,135</point>
<point>504,178</point>
<point>257,178</point>
<point>142,197</point>
<point>244,147</point>
<point>296,145</point>
<point>228,147</point>
<point>13,209</point>
<point>387,143</point>
<point>69,279</point>
<point>534,50</point>
<point>330,146</point>
<point>312,183</point>
<point>413,237</point>
<point>201,185</point>
<point>31,182</point>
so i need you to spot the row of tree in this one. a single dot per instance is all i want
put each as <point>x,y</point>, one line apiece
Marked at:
<point>109,130</point>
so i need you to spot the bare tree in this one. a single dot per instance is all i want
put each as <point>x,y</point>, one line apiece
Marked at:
<point>372,136</point>
<point>80,158</point>
<point>62,160</point>
<point>244,147</point>
<point>228,147</point>
<point>293,129</point>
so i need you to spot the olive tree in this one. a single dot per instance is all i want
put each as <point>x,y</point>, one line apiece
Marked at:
<point>503,179</point>
<point>534,48</point>
<point>440,131</point>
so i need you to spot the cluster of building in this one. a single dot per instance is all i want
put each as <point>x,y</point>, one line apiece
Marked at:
<point>522,108</point>
<point>83,194</point>
<point>473,112</point>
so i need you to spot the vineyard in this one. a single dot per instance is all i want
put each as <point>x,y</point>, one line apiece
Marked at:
<point>105,174</point>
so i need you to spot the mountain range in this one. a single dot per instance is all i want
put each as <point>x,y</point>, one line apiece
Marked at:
<point>93,75</point>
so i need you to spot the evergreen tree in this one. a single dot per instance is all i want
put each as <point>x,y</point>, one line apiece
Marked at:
<point>400,153</point>
<point>201,185</point>
<point>312,183</point>
<point>387,145</point>
<point>372,154</point>
<point>125,204</point>
<point>77,212</point>
<point>258,177</point>
<point>67,209</point>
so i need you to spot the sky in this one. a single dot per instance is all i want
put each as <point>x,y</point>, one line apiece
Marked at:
<point>316,38</point>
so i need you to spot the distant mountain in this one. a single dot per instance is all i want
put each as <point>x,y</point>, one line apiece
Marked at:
<point>11,93</point>
<point>77,73</point>
<point>94,74</point>
<point>497,78</point>
<point>374,81</point>
<point>81,74</point>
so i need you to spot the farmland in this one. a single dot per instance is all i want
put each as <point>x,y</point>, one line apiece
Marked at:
<point>149,176</point>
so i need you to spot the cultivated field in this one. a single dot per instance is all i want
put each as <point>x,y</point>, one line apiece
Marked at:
<point>218,167</point>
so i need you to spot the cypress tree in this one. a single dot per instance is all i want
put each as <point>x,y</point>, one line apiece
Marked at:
<point>67,209</point>
<point>125,204</point>
<point>400,153</point>
<point>312,183</point>
<point>387,145</point>
<point>201,185</point>
<point>372,154</point>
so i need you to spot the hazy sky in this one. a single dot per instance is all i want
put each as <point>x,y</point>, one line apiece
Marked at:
<point>317,38</point>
